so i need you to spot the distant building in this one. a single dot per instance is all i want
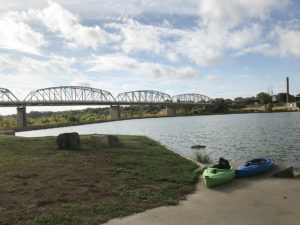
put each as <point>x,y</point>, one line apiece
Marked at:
<point>246,101</point>
<point>294,105</point>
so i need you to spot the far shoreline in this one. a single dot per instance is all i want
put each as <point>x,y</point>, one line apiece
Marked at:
<point>50,126</point>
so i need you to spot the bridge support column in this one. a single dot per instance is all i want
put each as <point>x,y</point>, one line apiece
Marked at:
<point>170,110</point>
<point>115,112</point>
<point>21,117</point>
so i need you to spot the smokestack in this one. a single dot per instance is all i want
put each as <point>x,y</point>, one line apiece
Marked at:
<point>287,90</point>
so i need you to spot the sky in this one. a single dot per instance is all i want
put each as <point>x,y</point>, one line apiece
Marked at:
<point>218,48</point>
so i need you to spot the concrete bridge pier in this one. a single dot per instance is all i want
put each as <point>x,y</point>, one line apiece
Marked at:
<point>115,112</point>
<point>170,110</point>
<point>21,117</point>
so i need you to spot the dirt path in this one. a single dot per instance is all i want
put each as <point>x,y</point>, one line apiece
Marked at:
<point>260,200</point>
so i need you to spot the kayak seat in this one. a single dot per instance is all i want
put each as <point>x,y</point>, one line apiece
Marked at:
<point>259,161</point>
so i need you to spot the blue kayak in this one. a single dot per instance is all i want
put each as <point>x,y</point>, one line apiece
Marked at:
<point>255,166</point>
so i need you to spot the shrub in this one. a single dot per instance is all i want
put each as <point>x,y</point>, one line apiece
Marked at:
<point>203,158</point>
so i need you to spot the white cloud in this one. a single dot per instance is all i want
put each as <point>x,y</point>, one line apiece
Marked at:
<point>53,65</point>
<point>17,32</point>
<point>289,42</point>
<point>212,78</point>
<point>200,45</point>
<point>171,56</point>
<point>45,66</point>
<point>227,28</point>
<point>199,48</point>
<point>209,43</point>
<point>231,13</point>
<point>285,43</point>
<point>81,82</point>
<point>244,37</point>
<point>17,35</point>
<point>5,62</point>
<point>91,9</point>
<point>155,70</point>
<point>59,20</point>
<point>22,83</point>
<point>265,48</point>
<point>138,37</point>
<point>160,39</point>
<point>26,74</point>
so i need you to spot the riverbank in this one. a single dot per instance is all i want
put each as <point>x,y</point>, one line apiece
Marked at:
<point>259,200</point>
<point>49,126</point>
<point>43,185</point>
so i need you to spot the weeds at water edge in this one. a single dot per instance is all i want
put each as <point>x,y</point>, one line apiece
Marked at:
<point>203,158</point>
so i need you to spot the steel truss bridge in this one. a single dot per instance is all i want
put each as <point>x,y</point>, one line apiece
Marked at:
<point>77,95</point>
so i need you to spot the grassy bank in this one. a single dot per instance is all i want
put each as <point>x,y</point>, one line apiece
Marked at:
<point>43,185</point>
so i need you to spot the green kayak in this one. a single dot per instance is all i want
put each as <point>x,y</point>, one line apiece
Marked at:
<point>213,176</point>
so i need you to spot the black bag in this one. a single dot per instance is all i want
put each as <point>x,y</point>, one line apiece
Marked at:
<point>223,164</point>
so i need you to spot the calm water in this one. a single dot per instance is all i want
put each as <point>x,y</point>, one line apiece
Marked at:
<point>235,137</point>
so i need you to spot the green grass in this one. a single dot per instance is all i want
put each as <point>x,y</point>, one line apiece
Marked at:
<point>55,218</point>
<point>43,185</point>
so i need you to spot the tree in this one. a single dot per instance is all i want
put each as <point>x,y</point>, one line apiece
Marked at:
<point>238,99</point>
<point>281,97</point>
<point>228,100</point>
<point>9,122</point>
<point>73,119</point>
<point>264,98</point>
<point>1,121</point>
<point>53,118</point>
<point>218,101</point>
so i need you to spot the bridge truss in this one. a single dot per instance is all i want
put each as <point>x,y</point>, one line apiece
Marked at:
<point>77,95</point>
<point>191,98</point>
<point>69,95</point>
<point>143,96</point>
<point>7,98</point>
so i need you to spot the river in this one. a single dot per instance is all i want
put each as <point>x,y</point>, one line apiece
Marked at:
<point>236,137</point>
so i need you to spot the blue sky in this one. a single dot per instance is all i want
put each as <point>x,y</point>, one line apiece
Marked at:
<point>219,48</point>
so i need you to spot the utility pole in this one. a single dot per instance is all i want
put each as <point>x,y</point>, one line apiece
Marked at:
<point>270,92</point>
<point>287,90</point>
